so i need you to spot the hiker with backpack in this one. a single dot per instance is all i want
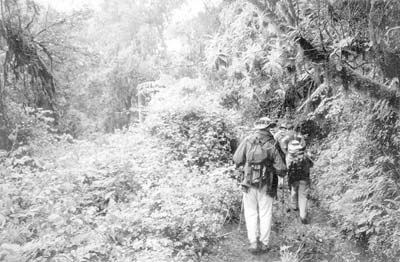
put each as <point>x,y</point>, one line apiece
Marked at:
<point>285,133</point>
<point>298,170</point>
<point>280,135</point>
<point>262,164</point>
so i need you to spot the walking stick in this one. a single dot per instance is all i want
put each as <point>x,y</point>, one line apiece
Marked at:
<point>283,194</point>
<point>283,204</point>
<point>241,215</point>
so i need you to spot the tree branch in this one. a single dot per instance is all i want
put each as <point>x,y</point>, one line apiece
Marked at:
<point>368,86</point>
<point>352,78</point>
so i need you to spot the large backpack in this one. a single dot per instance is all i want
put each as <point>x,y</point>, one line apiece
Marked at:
<point>298,163</point>
<point>256,157</point>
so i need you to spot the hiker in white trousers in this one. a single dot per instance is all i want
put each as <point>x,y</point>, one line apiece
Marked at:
<point>258,205</point>
<point>262,164</point>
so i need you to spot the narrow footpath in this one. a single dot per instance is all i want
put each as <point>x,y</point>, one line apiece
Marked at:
<point>291,241</point>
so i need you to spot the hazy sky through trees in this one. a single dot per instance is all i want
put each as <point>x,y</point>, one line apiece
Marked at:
<point>185,13</point>
<point>70,5</point>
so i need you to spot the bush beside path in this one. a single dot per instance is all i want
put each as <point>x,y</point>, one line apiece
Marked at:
<point>116,198</point>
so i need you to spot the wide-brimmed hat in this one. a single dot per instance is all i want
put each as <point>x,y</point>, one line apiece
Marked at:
<point>264,123</point>
<point>287,125</point>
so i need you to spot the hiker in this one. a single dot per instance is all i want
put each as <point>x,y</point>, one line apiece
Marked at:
<point>298,168</point>
<point>285,133</point>
<point>262,163</point>
<point>281,136</point>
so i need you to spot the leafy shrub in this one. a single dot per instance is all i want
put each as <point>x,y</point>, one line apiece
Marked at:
<point>116,198</point>
<point>76,123</point>
<point>199,138</point>
<point>29,131</point>
<point>384,127</point>
<point>30,126</point>
<point>182,218</point>
<point>357,178</point>
<point>192,124</point>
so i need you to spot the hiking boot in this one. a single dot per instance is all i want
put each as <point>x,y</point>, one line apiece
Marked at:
<point>264,248</point>
<point>304,221</point>
<point>253,248</point>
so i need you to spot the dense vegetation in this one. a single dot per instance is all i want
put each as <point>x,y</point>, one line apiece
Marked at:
<point>116,145</point>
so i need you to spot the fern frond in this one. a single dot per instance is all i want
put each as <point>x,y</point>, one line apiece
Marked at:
<point>362,195</point>
<point>14,234</point>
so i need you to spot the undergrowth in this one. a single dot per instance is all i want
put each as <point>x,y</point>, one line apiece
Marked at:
<point>357,177</point>
<point>113,199</point>
<point>130,196</point>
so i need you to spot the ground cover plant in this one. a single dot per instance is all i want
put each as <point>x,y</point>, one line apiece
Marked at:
<point>112,199</point>
<point>357,179</point>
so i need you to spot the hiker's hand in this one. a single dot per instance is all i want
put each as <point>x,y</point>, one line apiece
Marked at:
<point>244,188</point>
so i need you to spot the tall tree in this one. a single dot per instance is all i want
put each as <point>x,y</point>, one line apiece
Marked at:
<point>36,46</point>
<point>129,39</point>
<point>27,59</point>
<point>308,44</point>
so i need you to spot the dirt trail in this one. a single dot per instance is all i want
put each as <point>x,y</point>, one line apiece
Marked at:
<point>234,246</point>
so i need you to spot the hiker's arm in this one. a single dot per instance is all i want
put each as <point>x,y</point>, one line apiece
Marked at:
<point>279,165</point>
<point>240,155</point>
<point>283,143</point>
<point>240,160</point>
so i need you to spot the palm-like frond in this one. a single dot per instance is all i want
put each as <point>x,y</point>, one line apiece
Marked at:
<point>273,65</point>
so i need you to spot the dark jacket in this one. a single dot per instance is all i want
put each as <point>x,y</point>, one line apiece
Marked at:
<point>300,171</point>
<point>274,165</point>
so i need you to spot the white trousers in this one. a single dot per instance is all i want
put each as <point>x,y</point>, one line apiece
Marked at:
<point>299,192</point>
<point>258,214</point>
